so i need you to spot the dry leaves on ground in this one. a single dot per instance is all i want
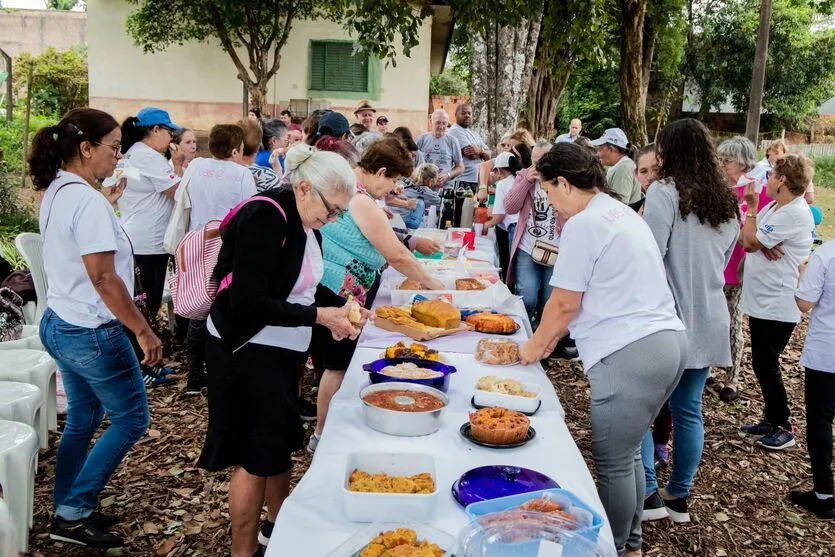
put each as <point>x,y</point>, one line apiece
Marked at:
<point>172,509</point>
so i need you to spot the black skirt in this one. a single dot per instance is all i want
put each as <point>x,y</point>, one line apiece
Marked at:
<point>326,352</point>
<point>253,408</point>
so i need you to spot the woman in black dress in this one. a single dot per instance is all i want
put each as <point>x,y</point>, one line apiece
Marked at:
<point>260,328</point>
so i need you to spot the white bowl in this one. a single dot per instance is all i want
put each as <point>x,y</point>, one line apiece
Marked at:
<point>511,402</point>
<point>369,507</point>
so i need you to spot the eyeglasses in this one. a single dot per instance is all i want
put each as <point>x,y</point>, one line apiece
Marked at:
<point>116,148</point>
<point>333,212</point>
<point>726,160</point>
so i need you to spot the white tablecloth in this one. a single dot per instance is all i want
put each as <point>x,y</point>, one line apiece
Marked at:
<point>311,521</point>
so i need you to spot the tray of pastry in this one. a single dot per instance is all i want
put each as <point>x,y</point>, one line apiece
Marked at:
<point>460,290</point>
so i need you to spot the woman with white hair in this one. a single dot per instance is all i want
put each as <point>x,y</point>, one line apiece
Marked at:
<point>737,159</point>
<point>260,327</point>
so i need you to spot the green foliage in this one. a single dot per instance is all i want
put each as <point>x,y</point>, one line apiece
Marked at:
<point>593,96</point>
<point>800,73</point>
<point>59,80</point>
<point>460,58</point>
<point>11,136</point>
<point>824,172</point>
<point>14,219</point>
<point>447,83</point>
<point>61,4</point>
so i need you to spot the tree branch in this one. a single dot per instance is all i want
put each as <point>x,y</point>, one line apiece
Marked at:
<point>227,45</point>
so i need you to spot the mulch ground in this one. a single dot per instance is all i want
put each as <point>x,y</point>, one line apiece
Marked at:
<point>739,506</point>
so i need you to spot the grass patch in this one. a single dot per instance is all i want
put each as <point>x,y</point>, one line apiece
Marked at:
<point>825,199</point>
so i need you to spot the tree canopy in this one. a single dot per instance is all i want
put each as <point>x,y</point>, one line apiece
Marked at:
<point>800,73</point>
<point>260,28</point>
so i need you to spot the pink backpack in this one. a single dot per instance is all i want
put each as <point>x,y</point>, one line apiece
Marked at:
<point>193,286</point>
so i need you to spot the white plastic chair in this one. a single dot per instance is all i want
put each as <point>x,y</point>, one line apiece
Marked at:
<point>8,532</point>
<point>18,454</point>
<point>29,339</point>
<point>30,246</point>
<point>22,402</point>
<point>36,368</point>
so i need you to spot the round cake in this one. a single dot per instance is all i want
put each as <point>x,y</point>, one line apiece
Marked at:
<point>499,426</point>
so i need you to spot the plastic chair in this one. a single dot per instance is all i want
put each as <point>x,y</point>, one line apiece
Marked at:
<point>22,402</point>
<point>30,246</point>
<point>36,368</point>
<point>18,454</point>
<point>8,532</point>
<point>29,339</point>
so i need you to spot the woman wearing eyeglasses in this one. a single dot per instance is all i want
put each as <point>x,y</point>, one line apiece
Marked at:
<point>356,248</point>
<point>737,159</point>
<point>259,331</point>
<point>146,203</point>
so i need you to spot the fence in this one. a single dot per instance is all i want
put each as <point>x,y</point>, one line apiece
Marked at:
<point>812,150</point>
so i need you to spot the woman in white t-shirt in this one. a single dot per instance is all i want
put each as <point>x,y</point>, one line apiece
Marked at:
<point>147,202</point>
<point>777,240</point>
<point>87,259</point>
<point>816,293</point>
<point>610,290</point>
<point>214,186</point>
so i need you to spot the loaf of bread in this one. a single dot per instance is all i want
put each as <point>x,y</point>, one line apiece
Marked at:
<point>410,284</point>
<point>437,313</point>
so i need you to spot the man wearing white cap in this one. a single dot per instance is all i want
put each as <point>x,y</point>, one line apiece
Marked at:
<point>614,151</point>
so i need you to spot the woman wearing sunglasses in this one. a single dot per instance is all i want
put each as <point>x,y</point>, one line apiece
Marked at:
<point>259,331</point>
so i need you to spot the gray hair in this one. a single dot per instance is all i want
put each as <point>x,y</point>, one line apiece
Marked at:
<point>741,150</point>
<point>273,128</point>
<point>439,112</point>
<point>543,144</point>
<point>325,171</point>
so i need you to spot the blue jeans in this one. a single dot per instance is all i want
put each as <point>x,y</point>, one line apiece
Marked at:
<point>688,436</point>
<point>414,218</point>
<point>532,283</point>
<point>101,374</point>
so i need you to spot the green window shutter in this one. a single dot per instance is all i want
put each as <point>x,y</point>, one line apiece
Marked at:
<point>333,67</point>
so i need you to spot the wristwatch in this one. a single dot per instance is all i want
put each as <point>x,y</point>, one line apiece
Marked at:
<point>751,215</point>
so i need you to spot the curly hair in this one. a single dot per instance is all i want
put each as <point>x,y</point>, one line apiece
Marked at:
<point>686,155</point>
<point>798,170</point>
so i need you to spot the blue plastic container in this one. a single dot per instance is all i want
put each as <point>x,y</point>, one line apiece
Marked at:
<point>441,383</point>
<point>589,521</point>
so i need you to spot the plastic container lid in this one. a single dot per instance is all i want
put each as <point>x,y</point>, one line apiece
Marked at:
<point>527,534</point>
<point>491,482</point>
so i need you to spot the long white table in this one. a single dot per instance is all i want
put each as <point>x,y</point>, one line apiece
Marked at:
<point>311,521</point>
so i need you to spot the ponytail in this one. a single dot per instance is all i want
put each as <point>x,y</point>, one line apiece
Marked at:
<point>132,133</point>
<point>55,146</point>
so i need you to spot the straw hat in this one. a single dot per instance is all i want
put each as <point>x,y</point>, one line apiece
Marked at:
<point>364,105</point>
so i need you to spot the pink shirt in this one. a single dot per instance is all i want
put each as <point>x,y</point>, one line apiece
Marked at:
<point>731,271</point>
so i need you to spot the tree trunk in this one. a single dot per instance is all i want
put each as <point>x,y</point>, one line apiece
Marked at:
<point>501,73</point>
<point>633,97</point>
<point>752,126</point>
<point>544,99</point>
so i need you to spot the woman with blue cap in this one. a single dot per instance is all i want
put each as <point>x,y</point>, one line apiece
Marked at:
<point>147,202</point>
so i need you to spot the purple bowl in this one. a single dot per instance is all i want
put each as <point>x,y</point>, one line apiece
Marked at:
<point>440,383</point>
<point>491,482</point>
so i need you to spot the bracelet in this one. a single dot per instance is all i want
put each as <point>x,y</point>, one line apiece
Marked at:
<point>482,187</point>
<point>751,216</point>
